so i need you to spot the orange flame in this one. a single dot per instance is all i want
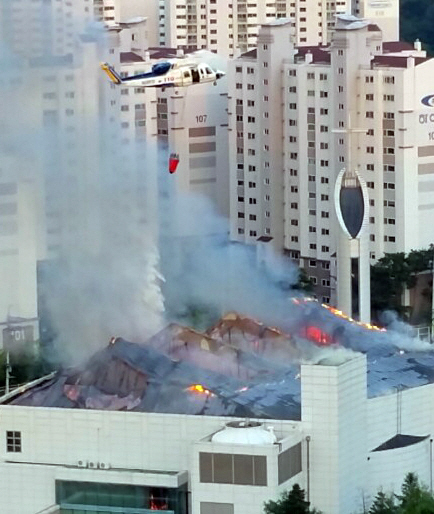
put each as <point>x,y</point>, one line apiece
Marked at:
<point>198,388</point>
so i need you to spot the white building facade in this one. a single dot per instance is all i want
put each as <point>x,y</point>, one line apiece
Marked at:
<point>230,28</point>
<point>359,103</point>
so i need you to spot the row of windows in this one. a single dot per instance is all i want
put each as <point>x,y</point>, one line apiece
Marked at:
<point>386,185</point>
<point>388,79</point>
<point>386,98</point>
<point>387,239</point>
<point>325,282</point>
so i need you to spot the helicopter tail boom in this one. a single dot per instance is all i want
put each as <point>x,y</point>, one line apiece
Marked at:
<point>111,72</point>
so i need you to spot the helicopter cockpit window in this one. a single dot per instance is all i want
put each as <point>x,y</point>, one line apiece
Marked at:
<point>208,70</point>
<point>186,74</point>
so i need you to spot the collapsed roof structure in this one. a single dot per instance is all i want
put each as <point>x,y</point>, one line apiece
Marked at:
<point>238,367</point>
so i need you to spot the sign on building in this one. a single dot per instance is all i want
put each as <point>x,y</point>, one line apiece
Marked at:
<point>15,338</point>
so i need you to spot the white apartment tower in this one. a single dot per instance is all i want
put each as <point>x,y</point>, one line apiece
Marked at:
<point>113,12</point>
<point>229,28</point>
<point>385,13</point>
<point>34,27</point>
<point>360,103</point>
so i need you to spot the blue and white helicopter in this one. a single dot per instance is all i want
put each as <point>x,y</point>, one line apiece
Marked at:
<point>174,73</point>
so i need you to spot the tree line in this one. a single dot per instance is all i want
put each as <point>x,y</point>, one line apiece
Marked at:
<point>417,22</point>
<point>413,499</point>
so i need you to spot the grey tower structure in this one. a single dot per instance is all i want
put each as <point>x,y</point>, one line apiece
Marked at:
<point>353,272</point>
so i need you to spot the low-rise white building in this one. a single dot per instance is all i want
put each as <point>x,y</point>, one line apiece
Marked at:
<point>135,432</point>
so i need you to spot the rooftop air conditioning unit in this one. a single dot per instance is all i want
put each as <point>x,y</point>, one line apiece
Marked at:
<point>82,464</point>
<point>104,465</point>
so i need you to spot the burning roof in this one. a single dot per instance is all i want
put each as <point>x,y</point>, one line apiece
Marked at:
<point>239,367</point>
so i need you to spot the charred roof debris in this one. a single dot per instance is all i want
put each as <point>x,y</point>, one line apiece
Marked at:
<point>238,367</point>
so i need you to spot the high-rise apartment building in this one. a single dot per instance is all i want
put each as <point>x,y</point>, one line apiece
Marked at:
<point>231,28</point>
<point>113,12</point>
<point>34,27</point>
<point>298,117</point>
<point>385,13</point>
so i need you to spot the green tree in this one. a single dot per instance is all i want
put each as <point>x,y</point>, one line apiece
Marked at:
<point>388,278</point>
<point>392,274</point>
<point>304,282</point>
<point>414,498</point>
<point>290,502</point>
<point>383,504</point>
<point>416,21</point>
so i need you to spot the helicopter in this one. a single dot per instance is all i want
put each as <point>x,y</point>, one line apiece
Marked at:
<point>176,73</point>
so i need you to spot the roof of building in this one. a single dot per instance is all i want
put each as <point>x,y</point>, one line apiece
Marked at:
<point>126,57</point>
<point>320,54</point>
<point>372,27</point>
<point>397,46</point>
<point>400,441</point>
<point>239,367</point>
<point>251,54</point>
<point>162,52</point>
<point>396,61</point>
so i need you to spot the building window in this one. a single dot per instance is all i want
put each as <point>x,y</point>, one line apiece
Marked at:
<point>325,249</point>
<point>13,441</point>
<point>240,231</point>
<point>312,263</point>
<point>252,233</point>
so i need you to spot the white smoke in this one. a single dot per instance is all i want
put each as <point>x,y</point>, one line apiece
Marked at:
<point>97,239</point>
